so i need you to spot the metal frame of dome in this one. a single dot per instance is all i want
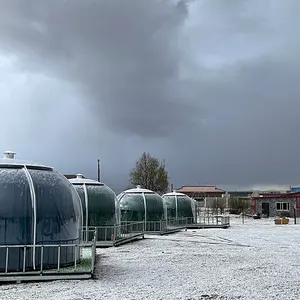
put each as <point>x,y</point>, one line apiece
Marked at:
<point>9,162</point>
<point>175,194</point>
<point>84,182</point>
<point>139,190</point>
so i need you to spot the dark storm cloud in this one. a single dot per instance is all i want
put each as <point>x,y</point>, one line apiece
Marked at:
<point>221,76</point>
<point>124,54</point>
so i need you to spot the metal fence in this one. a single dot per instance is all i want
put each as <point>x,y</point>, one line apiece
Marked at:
<point>213,220</point>
<point>114,234</point>
<point>31,262</point>
<point>165,226</point>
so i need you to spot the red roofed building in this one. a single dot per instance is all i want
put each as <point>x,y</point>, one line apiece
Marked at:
<point>199,192</point>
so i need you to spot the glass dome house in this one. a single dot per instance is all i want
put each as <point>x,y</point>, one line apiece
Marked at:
<point>141,205</point>
<point>38,206</point>
<point>100,206</point>
<point>180,206</point>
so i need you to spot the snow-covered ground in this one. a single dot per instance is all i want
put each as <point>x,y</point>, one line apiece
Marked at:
<point>255,260</point>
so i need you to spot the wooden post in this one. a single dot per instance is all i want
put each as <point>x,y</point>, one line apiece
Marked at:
<point>295,216</point>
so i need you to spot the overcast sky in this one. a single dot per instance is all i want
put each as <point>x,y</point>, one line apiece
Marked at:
<point>212,87</point>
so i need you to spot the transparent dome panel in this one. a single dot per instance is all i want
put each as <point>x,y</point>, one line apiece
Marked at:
<point>78,207</point>
<point>170,202</point>
<point>80,190</point>
<point>155,207</point>
<point>184,207</point>
<point>16,213</point>
<point>132,207</point>
<point>58,212</point>
<point>101,205</point>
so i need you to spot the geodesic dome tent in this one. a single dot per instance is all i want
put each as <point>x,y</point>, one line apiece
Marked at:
<point>100,206</point>
<point>38,206</point>
<point>141,205</point>
<point>180,206</point>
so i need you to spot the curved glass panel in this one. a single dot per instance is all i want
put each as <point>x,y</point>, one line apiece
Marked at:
<point>58,216</point>
<point>80,190</point>
<point>16,226</point>
<point>184,208</point>
<point>118,211</point>
<point>132,207</point>
<point>170,202</point>
<point>155,207</point>
<point>101,204</point>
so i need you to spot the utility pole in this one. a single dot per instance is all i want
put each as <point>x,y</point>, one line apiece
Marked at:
<point>98,169</point>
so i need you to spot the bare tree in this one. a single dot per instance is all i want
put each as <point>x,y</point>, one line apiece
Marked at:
<point>237,205</point>
<point>150,173</point>
<point>216,204</point>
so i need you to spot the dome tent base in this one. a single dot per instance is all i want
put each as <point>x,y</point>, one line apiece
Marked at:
<point>82,268</point>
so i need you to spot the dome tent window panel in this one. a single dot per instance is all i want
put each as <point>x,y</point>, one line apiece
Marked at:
<point>180,206</point>
<point>132,207</point>
<point>154,208</point>
<point>184,207</point>
<point>57,216</point>
<point>82,195</point>
<point>16,225</point>
<point>101,206</point>
<point>99,201</point>
<point>171,204</point>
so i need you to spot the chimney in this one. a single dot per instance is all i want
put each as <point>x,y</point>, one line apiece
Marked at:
<point>9,155</point>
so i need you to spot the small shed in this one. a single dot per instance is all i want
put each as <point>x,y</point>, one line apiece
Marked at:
<point>276,204</point>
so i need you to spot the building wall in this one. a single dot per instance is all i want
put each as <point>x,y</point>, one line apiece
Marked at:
<point>273,212</point>
<point>200,197</point>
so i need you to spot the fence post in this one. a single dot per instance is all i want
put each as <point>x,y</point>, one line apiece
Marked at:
<point>295,216</point>
<point>115,232</point>
<point>24,259</point>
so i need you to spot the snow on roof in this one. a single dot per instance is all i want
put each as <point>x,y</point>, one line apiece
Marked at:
<point>200,189</point>
<point>81,180</point>
<point>174,193</point>
<point>9,160</point>
<point>138,189</point>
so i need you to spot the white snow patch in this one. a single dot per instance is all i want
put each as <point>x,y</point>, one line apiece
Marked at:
<point>255,260</point>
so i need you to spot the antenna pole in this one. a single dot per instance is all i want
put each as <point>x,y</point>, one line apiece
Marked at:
<point>98,169</point>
